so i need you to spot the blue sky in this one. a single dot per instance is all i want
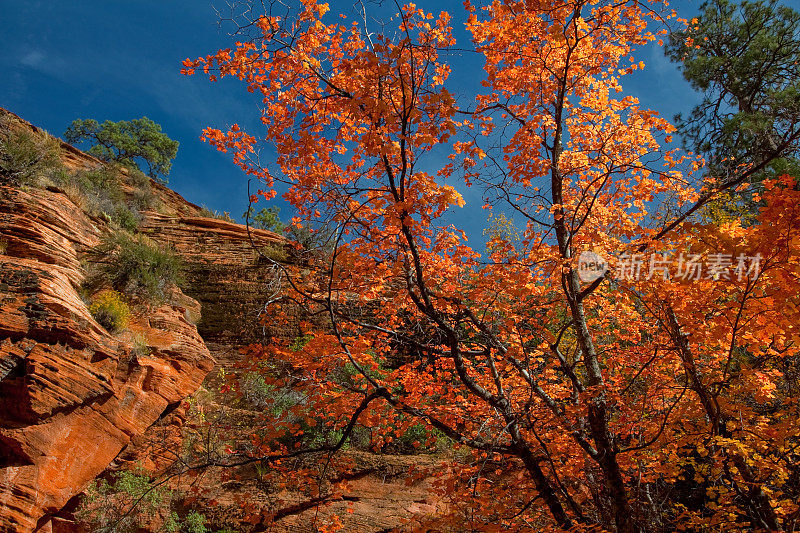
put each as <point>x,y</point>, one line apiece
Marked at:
<point>121,60</point>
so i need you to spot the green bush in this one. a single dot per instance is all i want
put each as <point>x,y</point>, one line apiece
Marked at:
<point>209,213</point>
<point>414,436</point>
<point>140,347</point>
<point>28,157</point>
<point>138,178</point>
<point>299,342</point>
<point>261,396</point>
<point>314,241</point>
<point>98,191</point>
<point>275,252</point>
<point>126,217</point>
<point>194,522</point>
<point>143,198</point>
<point>172,524</point>
<point>103,178</point>
<point>135,265</point>
<point>103,195</point>
<point>126,504</point>
<point>268,218</point>
<point>60,176</point>
<point>129,502</point>
<point>110,310</point>
<point>318,242</point>
<point>255,390</point>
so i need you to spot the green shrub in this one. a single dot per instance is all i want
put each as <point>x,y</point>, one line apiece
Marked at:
<point>317,241</point>
<point>129,502</point>
<point>103,195</point>
<point>103,178</point>
<point>138,178</point>
<point>275,252</point>
<point>300,342</point>
<point>100,190</point>
<point>143,198</point>
<point>261,395</point>
<point>126,218</point>
<point>172,524</point>
<point>28,157</point>
<point>255,390</point>
<point>135,265</point>
<point>209,213</point>
<point>314,241</point>
<point>413,437</point>
<point>140,347</point>
<point>194,522</point>
<point>125,505</point>
<point>110,310</point>
<point>60,176</point>
<point>268,218</point>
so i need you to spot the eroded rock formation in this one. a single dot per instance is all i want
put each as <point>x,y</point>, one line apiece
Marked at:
<point>77,401</point>
<point>224,271</point>
<point>72,395</point>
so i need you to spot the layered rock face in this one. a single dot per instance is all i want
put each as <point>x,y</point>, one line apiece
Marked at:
<point>226,273</point>
<point>72,395</point>
<point>370,493</point>
<point>77,401</point>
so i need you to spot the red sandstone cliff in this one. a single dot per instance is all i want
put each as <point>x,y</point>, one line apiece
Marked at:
<point>223,271</point>
<point>76,400</point>
<point>72,395</point>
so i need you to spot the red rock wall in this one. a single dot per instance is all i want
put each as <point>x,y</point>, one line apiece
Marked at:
<point>224,272</point>
<point>75,400</point>
<point>72,395</point>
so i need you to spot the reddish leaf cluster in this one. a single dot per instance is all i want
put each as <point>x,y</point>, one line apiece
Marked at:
<point>622,405</point>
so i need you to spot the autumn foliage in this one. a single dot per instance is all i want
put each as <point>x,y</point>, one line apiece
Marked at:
<point>641,404</point>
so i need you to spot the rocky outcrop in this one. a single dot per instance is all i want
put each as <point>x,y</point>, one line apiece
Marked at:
<point>378,494</point>
<point>77,401</point>
<point>226,271</point>
<point>72,395</point>
<point>364,492</point>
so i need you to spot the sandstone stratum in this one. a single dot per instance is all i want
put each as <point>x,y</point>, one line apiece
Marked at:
<point>78,401</point>
<point>73,395</point>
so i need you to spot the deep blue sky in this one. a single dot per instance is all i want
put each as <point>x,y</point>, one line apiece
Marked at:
<point>120,60</point>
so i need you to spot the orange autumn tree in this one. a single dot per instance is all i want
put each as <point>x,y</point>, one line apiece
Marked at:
<point>625,403</point>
